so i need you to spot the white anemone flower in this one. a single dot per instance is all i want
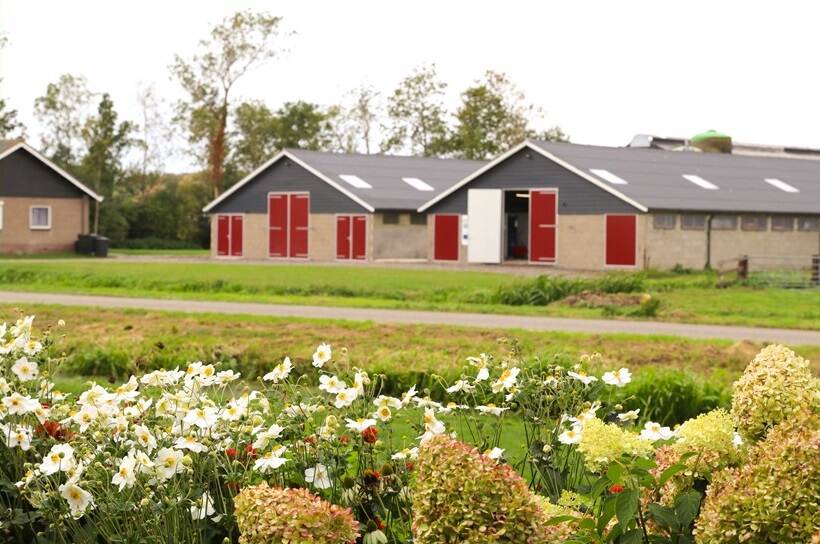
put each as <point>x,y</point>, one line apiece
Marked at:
<point>262,438</point>
<point>126,474</point>
<point>383,413</point>
<point>85,417</point>
<point>204,418</point>
<point>737,441</point>
<point>331,384</point>
<point>203,507</point>
<point>24,369</point>
<point>461,385</point>
<point>145,438</point>
<point>79,500</point>
<point>271,460</point>
<point>360,425</point>
<point>17,404</point>
<point>384,400</point>
<point>59,458</point>
<point>495,453</point>
<point>631,415</point>
<point>571,435</point>
<point>406,453</point>
<point>431,424</point>
<point>189,442</point>
<point>582,377</point>
<point>506,380</point>
<point>279,372</point>
<point>618,378</point>
<point>408,395</point>
<point>491,409</point>
<point>167,463</point>
<point>321,355</point>
<point>345,397</point>
<point>654,431</point>
<point>318,476</point>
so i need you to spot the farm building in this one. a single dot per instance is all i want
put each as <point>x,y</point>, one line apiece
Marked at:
<point>42,207</point>
<point>591,207</point>
<point>330,206</point>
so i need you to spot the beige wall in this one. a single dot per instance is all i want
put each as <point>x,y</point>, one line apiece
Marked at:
<point>321,238</point>
<point>69,218</point>
<point>768,249</point>
<point>582,243</point>
<point>402,241</point>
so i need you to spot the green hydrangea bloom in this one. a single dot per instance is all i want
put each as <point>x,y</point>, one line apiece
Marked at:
<point>774,496</point>
<point>775,385</point>
<point>602,443</point>
<point>711,440</point>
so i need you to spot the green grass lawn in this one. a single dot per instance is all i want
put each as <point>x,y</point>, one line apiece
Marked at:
<point>161,252</point>
<point>684,298</point>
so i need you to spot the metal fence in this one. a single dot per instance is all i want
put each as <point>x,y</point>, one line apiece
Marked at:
<point>791,272</point>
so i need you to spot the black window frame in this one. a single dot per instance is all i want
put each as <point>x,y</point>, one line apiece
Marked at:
<point>763,227</point>
<point>391,218</point>
<point>660,226</point>
<point>700,226</point>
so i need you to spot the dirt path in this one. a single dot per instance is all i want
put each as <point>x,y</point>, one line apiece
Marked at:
<point>487,321</point>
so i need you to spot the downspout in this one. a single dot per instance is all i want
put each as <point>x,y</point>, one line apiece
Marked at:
<point>708,242</point>
<point>96,216</point>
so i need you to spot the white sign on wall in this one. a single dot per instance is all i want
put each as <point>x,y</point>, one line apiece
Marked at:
<point>465,230</point>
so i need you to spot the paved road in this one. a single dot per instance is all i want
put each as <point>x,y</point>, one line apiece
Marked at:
<point>489,321</point>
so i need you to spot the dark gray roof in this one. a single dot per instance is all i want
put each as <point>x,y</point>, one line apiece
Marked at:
<point>654,178</point>
<point>384,174</point>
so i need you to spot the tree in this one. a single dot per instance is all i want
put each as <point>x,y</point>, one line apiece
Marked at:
<point>236,45</point>
<point>416,114</point>
<point>106,141</point>
<point>260,133</point>
<point>354,128</point>
<point>153,133</point>
<point>493,117</point>
<point>8,116</point>
<point>62,112</point>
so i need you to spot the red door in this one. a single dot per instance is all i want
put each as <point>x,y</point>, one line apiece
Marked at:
<point>278,225</point>
<point>223,235</point>
<point>621,240</point>
<point>445,229</point>
<point>299,210</point>
<point>359,237</point>
<point>236,236</point>
<point>343,237</point>
<point>542,226</point>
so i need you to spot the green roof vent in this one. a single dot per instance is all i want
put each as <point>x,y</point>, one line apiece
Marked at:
<point>712,141</point>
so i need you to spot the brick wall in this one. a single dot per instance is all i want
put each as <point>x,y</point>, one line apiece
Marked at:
<point>69,219</point>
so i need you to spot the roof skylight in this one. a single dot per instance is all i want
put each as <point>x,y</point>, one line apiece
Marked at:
<point>417,184</point>
<point>608,176</point>
<point>355,181</point>
<point>782,185</point>
<point>700,182</point>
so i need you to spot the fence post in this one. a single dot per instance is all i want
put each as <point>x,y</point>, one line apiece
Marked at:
<point>743,268</point>
<point>815,270</point>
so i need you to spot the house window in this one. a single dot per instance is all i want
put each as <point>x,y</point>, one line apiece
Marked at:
<point>40,218</point>
<point>754,222</point>
<point>782,222</point>
<point>693,221</point>
<point>724,222</point>
<point>808,223</point>
<point>390,218</point>
<point>664,221</point>
<point>418,218</point>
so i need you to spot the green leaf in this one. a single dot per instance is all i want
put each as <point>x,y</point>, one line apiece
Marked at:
<point>663,516</point>
<point>671,471</point>
<point>614,473</point>
<point>626,505</point>
<point>644,463</point>
<point>560,519</point>
<point>607,513</point>
<point>631,537</point>
<point>598,487</point>
<point>686,507</point>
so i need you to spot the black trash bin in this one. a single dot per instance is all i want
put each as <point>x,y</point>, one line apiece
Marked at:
<point>84,244</point>
<point>101,246</point>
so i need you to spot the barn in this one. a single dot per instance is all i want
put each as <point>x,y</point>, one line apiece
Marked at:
<point>319,206</point>
<point>595,208</point>
<point>42,207</point>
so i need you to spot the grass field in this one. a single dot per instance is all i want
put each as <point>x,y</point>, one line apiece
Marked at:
<point>685,298</point>
<point>116,342</point>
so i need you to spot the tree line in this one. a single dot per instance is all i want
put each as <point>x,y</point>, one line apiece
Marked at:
<point>124,160</point>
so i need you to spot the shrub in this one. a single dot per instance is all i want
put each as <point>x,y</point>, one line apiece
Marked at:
<point>462,496</point>
<point>774,496</point>
<point>672,396</point>
<point>543,290</point>
<point>710,440</point>
<point>775,385</point>
<point>268,514</point>
<point>156,243</point>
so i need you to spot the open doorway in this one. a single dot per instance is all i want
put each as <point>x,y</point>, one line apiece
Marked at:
<point>516,225</point>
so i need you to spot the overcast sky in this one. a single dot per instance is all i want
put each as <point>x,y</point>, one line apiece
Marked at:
<point>603,71</point>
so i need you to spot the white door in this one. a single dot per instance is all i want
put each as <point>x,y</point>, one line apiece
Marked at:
<point>484,211</point>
